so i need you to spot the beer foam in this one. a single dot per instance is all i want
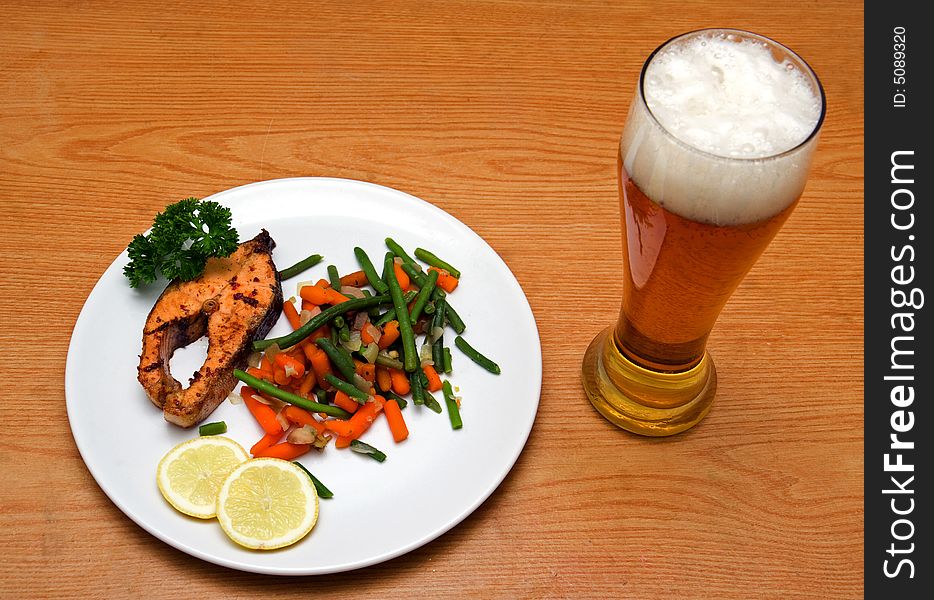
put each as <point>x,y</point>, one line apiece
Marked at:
<point>722,138</point>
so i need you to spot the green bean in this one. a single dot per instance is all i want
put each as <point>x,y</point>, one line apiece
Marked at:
<point>344,333</point>
<point>446,360</point>
<point>334,278</point>
<point>390,315</point>
<point>438,321</point>
<point>454,319</point>
<point>322,396</point>
<point>410,358</point>
<point>386,361</point>
<point>474,355</point>
<point>364,448</point>
<point>418,392</point>
<point>323,491</point>
<point>300,267</point>
<point>422,298</point>
<point>213,428</point>
<point>373,311</point>
<point>431,403</point>
<point>454,411</point>
<point>264,386</point>
<point>339,357</point>
<point>386,317</point>
<point>378,284</point>
<point>287,341</point>
<point>391,395</point>
<point>434,261</point>
<point>338,321</point>
<point>398,251</point>
<point>414,273</point>
<point>429,308</point>
<point>348,388</point>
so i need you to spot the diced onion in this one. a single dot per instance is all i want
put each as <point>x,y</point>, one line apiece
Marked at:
<point>353,292</point>
<point>272,351</point>
<point>425,355</point>
<point>370,352</point>
<point>283,422</point>
<point>360,320</point>
<point>303,435</point>
<point>235,398</point>
<point>353,344</point>
<point>272,402</point>
<point>373,330</point>
<point>254,358</point>
<point>435,334</point>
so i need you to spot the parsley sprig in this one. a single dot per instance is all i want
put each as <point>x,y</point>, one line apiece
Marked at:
<point>182,239</point>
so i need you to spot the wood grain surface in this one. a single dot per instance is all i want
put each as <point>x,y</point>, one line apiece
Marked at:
<point>505,113</point>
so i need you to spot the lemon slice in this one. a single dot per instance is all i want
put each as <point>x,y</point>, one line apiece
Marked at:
<point>267,503</point>
<point>190,474</point>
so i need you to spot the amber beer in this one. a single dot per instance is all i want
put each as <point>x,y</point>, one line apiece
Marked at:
<point>678,275</point>
<point>712,161</point>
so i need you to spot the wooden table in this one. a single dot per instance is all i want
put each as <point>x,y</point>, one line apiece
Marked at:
<point>505,114</point>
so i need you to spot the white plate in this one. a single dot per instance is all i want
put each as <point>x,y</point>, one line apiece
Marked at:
<point>428,484</point>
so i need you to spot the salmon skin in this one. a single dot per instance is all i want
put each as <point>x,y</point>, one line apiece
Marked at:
<point>235,300</point>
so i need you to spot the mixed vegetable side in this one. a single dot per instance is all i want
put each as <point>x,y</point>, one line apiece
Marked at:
<point>363,344</point>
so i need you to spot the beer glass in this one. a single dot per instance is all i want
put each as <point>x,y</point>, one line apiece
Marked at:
<point>713,157</point>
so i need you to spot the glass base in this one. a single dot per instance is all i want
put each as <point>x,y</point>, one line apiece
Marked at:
<point>644,401</point>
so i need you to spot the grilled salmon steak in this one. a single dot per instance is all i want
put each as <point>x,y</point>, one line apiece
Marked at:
<point>234,301</point>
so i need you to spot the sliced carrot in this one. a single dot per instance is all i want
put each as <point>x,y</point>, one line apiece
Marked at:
<point>323,283</point>
<point>260,374</point>
<point>291,314</point>
<point>390,334</point>
<point>318,295</point>
<point>342,400</point>
<point>364,417</point>
<point>285,451</point>
<point>356,279</point>
<point>339,426</point>
<point>265,365</point>
<point>264,415</point>
<point>314,294</point>
<point>446,281</point>
<point>359,422</point>
<point>434,381</point>
<point>400,383</point>
<point>342,441</point>
<point>291,366</point>
<point>278,375</point>
<point>366,370</point>
<point>300,416</point>
<point>306,305</point>
<point>298,354</point>
<point>365,336</point>
<point>308,383</point>
<point>264,442</point>
<point>401,276</point>
<point>396,422</point>
<point>383,379</point>
<point>320,364</point>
